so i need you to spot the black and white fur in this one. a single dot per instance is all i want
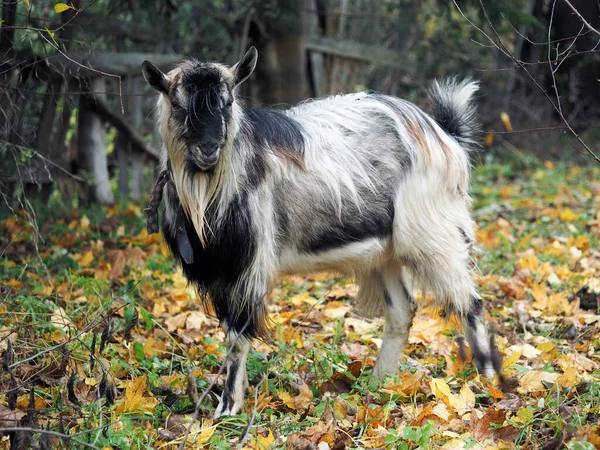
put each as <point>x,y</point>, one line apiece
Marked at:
<point>364,183</point>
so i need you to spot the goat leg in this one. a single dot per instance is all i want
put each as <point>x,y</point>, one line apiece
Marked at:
<point>155,198</point>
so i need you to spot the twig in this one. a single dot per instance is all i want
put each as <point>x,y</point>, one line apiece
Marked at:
<point>87,328</point>
<point>83,66</point>
<point>43,158</point>
<point>527,130</point>
<point>588,26</point>
<point>504,49</point>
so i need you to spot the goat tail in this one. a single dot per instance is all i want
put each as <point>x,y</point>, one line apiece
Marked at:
<point>454,111</point>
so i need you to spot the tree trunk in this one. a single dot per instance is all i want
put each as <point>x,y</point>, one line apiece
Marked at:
<point>122,149</point>
<point>92,148</point>
<point>282,73</point>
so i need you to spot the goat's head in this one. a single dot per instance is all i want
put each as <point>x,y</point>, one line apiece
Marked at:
<point>197,107</point>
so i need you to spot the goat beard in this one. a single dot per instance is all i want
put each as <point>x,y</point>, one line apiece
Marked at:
<point>196,192</point>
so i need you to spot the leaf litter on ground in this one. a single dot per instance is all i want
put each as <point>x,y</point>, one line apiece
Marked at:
<point>95,271</point>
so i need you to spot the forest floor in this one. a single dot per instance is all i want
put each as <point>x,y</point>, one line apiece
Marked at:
<point>104,346</point>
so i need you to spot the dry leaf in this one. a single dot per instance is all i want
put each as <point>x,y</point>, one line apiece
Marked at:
<point>299,402</point>
<point>481,425</point>
<point>60,320</point>
<point>136,397</point>
<point>86,259</point>
<point>360,326</point>
<point>10,418</point>
<point>531,382</point>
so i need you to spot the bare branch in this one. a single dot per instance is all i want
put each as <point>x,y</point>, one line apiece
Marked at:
<point>499,44</point>
<point>585,22</point>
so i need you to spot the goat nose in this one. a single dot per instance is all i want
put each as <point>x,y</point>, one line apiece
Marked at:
<point>209,149</point>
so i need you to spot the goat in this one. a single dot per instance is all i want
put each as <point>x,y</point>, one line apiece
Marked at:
<point>363,183</point>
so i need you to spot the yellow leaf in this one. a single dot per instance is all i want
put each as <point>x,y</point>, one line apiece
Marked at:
<point>529,260</point>
<point>559,304</point>
<point>86,259</point>
<point>334,310</point>
<point>303,297</point>
<point>568,216</point>
<point>538,291</point>
<point>505,118</point>
<point>195,320</point>
<point>532,381</point>
<point>177,322</point>
<point>546,347</point>
<point>526,350</point>
<point>569,378</point>
<point>287,399</point>
<point>134,397</point>
<point>512,359</point>
<point>505,192</point>
<point>27,4</point>
<point>208,430</point>
<point>465,400</point>
<point>7,334</point>
<point>441,410</point>
<point>61,320</point>
<point>524,241</point>
<point>61,7</point>
<point>264,440</point>
<point>440,389</point>
<point>576,361</point>
<point>84,223</point>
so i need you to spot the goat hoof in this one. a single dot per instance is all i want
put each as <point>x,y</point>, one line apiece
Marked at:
<point>227,408</point>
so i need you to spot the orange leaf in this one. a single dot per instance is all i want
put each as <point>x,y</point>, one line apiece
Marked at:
<point>481,424</point>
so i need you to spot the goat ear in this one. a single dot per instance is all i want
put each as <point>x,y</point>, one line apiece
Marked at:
<point>155,77</point>
<point>245,67</point>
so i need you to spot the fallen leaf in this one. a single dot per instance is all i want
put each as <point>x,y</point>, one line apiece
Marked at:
<point>526,350</point>
<point>7,334</point>
<point>531,382</point>
<point>441,390</point>
<point>299,402</point>
<point>136,397</point>
<point>360,326</point>
<point>481,425</point>
<point>9,417</point>
<point>465,401</point>
<point>195,320</point>
<point>86,259</point>
<point>60,319</point>
<point>262,439</point>
<point>177,322</point>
